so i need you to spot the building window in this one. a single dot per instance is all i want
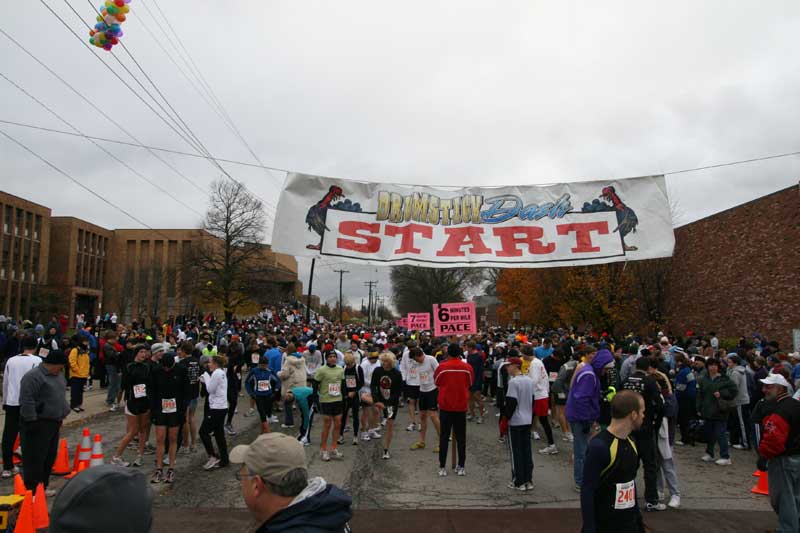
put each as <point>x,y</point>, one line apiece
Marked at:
<point>37,228</point>
<point>18,225</point>
<point>7,220</point>
<point>28,224</point>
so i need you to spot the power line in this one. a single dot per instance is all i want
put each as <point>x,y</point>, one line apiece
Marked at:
<point>139,145</point>
<point>209,158</point>
<point>78,183</point>
<point>79,132</point>
<point>740,162</point>
<point>100,111</point>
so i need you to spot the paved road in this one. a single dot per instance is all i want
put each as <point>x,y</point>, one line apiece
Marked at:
<point>409,481</point>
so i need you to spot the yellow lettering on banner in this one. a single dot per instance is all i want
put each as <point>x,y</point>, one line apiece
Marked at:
<point>419,206</point>
<point>456,210</point>
<point>383,206</point>
<point>407,209</point>
<point>466,208</point>
<point>477,202</point>
<point>433,210</point>
<point>444,205</point>
<point>396,208</point>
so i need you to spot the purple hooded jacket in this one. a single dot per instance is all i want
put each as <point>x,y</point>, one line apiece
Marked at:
<point>583,402</point>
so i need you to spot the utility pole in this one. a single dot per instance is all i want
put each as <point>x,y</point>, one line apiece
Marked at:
<point>310,284</point>
<point>341,273</point>
<point>370,284</point>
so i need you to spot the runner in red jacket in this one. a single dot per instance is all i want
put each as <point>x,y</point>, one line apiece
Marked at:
<point>454,378</point>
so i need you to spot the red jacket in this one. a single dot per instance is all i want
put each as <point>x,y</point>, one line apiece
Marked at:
<point>454,378</point>
<point>781,435</point>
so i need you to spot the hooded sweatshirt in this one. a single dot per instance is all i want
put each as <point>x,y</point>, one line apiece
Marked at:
<point>319,508</point>
<point>737,375</point>
<point>293,373</point>
<point>583,402</point>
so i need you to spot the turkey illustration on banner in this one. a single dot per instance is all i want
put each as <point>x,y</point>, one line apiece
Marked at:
<point>579,223</point>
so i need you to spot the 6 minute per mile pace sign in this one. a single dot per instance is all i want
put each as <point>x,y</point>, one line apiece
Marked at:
<point>454,319</point>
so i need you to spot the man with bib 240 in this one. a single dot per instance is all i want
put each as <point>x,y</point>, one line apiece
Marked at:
<point>608,491</point>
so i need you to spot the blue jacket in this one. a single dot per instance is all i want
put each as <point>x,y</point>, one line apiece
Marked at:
<point>685,384</point>
<point>257,374</point>
<point>321,508</point>
<point>274,356</point>
<point>583,402</point>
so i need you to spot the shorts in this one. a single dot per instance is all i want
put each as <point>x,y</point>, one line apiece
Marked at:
<point>476,386</point>
<point>192,405</point>
<point>561,398</point>
<point>390,410</point>
<point>136,408</point>
<point>366,398</point>
<point>331,408</point>
<point>540,407</point>
<point>171,420</point>
<point>411,391</point>
<point>429,401</point>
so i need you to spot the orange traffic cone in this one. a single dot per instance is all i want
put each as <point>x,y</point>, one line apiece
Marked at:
<point>763,484</point>
<point>17,457</point>
<point>41,518</point>
<point>82,465</point>
<point>61,466</point>
<point>756,472</point>
<point>97,451</point>
<point>19,486</point>
<point>25,517</point>
<point>84,450</point>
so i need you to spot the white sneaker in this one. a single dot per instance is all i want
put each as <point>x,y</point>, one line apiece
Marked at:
<point>410,427</point>
<point>549,450</point>
<point>460,471</point>
<point>336,454</point>
<point>386,455</point>
<point>273,419</point>
<point>365,436</point>
<point>723,462</point>
<point>250,412</point>
<point>442,472</point>
<point>325,455</point>
<point>469,417</point>
<point>383,422</point>
<point>479,420</point>
<point>679,443</point>
<point>304,441</point>
<point>119,462</point>
<point>529,485</point>
<point>165,460</point>
<point>373,433</point>
<point>536,436</point>
<point>138,461</point>
<point>738,447</point>
<point>674,502</point>
<point>570,437</point>
<point>707,458</point>
<point>211,464</point>
<point>355,441</point>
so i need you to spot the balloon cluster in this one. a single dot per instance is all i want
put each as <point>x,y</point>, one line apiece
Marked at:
<point>107,31</point>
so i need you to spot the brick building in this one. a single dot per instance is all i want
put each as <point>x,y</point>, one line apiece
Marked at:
<point>24,250</point>
<point>78,264</point>
<point>53,265</point>
<point>738,271</point>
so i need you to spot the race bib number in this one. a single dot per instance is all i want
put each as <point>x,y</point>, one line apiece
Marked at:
<point>626,495</point>
<point>553,375</point>
<point>334,389</point>
<point>262,385</point>
<point>351,382</point>
<point>169,405</point>
<point>43,352</point>
<point>412,373</point>
<point>562,395</point>
<point>255,357</point>
<point>389,411</point>
<point>423,377</point>
<point>487,373</point>
<point>140,390</point>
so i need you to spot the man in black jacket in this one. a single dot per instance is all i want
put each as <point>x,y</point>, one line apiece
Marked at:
<point>113,371</point>
<point>645,436</point>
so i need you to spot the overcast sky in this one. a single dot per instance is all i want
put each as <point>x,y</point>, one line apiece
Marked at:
<point>441,93</point>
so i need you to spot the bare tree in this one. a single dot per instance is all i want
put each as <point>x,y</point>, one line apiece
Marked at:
<point>416,289</point>
<point>224,260</point>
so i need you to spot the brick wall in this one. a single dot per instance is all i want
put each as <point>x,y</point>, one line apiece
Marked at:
<point>738,271</point>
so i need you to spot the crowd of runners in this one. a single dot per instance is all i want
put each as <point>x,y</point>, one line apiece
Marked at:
<point>613,403</point>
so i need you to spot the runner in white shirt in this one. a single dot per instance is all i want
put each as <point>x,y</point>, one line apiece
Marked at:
<point>541,398</point>
<point>408,368</point>
<point>369,415</point>
<point>425,366</point>
<point>16,368</point>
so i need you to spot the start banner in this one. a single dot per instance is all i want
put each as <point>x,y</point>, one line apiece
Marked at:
<point>576,223</point>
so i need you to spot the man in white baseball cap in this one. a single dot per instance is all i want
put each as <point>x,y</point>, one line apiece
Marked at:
<point>276,488</point>
<point>780,446</point>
